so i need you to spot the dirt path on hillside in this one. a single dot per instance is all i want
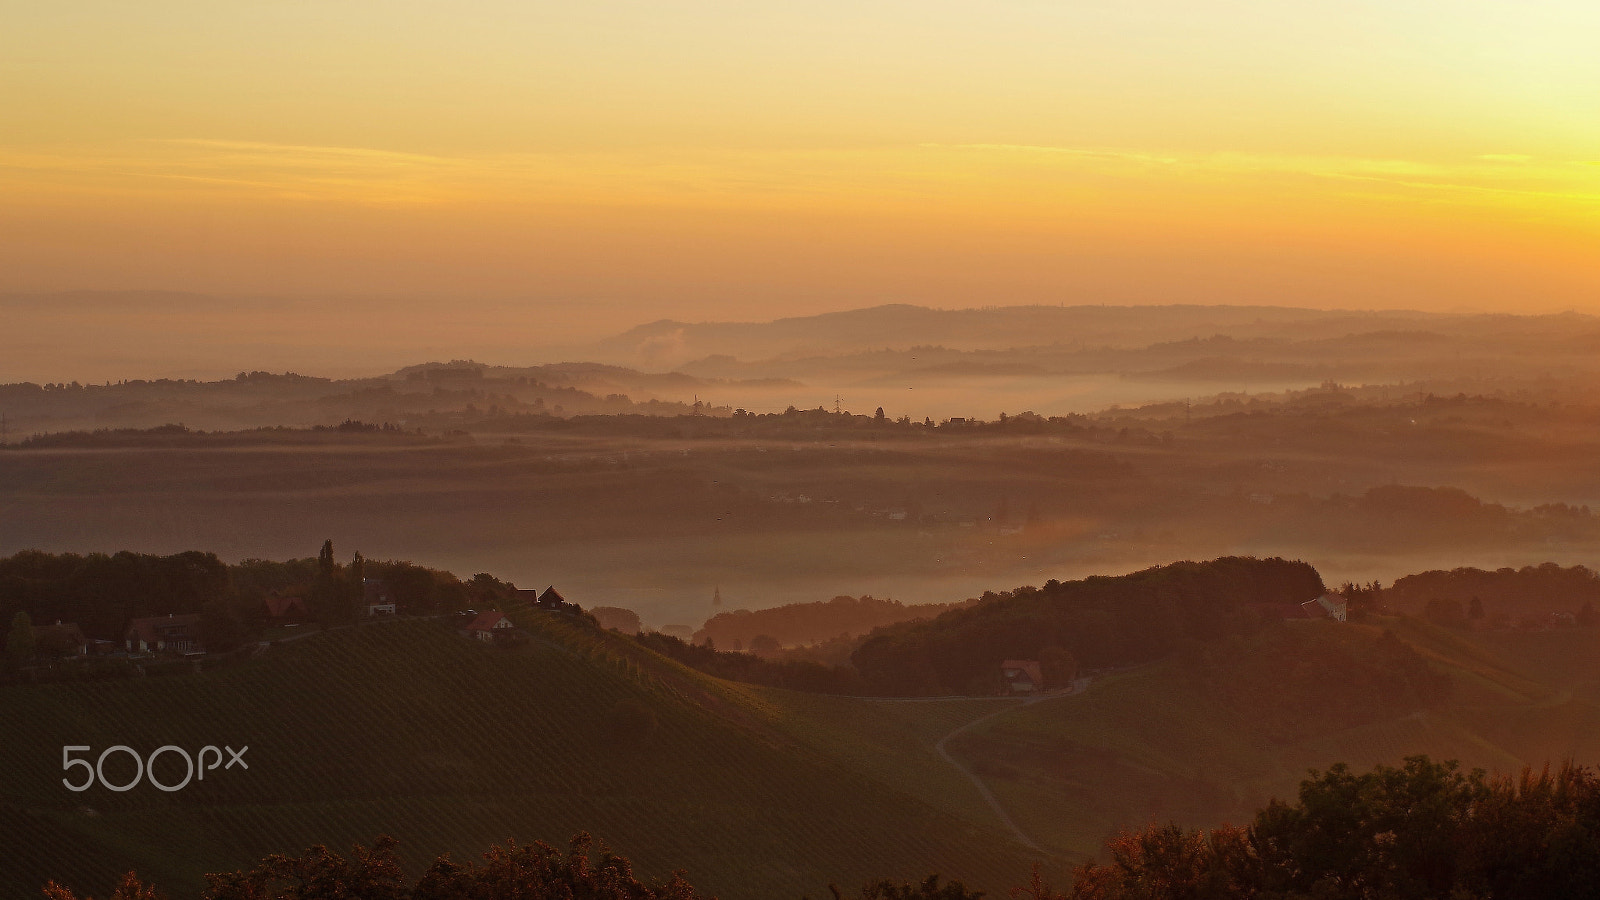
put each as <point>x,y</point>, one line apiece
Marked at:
<point>983,789</point>
<point>1078,687</point>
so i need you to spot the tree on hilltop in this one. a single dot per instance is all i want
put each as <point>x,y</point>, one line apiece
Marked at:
<point>19,643</point>
<point>325,564</point>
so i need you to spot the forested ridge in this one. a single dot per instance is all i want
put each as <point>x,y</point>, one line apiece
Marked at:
<point>1101,621</point>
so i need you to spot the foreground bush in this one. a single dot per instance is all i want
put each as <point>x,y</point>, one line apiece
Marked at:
<point>1424,830</point>
<point>535,871</point>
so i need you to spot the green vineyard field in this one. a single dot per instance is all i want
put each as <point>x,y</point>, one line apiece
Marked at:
<point>405,728</point>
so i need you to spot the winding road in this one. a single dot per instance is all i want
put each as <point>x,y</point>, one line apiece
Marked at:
<point>939,747</point>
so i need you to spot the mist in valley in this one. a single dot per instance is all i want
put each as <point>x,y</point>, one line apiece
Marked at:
<point>1370,444</point>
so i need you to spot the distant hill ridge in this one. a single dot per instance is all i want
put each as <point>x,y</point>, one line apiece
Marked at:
<point>901,326</point>
<point>804,623</point>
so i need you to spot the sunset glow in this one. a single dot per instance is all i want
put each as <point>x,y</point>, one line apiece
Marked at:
<point>948,449</point>
<point>699,158</point>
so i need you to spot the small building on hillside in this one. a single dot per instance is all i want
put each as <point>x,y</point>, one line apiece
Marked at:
<point>164,634</point>
<point>487,625</point>
<point>284,610</point>
<point>1329,605</point>
<point>376,598</point>
<point>1022,676</point>
<point>61,640</point>
<point>552,601</point>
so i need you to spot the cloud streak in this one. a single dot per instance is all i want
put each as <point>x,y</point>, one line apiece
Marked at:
<point>1028,180</point>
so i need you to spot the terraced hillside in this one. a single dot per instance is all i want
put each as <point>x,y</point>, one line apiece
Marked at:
<point>406,728</point>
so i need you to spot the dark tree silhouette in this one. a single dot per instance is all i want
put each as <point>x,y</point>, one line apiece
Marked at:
<point>19,642</point>
<point>325,563</point>
<point>368,874</point>
<point>1425,830</point>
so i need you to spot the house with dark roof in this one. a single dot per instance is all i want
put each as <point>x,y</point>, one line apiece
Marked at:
<point>376,598</point>
<point>63,639</point>
<point>164,634</point>
<point>1022,676</point>
<point>487,625</point>
<point>285,609</point>
<point>552,601</point>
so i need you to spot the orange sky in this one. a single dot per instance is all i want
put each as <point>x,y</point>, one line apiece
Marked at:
<point>626,161</point>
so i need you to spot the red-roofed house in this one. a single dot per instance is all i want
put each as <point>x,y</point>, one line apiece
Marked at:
<point>487,625</point>
<point>1023,676</point>
<point>168,634</point>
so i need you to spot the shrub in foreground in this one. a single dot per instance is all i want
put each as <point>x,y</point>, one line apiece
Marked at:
<point>1424,830</point>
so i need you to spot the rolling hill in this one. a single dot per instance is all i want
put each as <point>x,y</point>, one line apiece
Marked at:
<point>1158,744</point>
<point>406,728</point>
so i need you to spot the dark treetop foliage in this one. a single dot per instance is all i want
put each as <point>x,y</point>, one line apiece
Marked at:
<point>800,623</point>
<point>101,593</point>
<point>511,871</point>
<point>1530,588</point>
<point>1421,831</point>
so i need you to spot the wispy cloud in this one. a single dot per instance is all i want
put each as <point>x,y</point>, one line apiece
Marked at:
<point>1486,174</point>
<point>994,175</point>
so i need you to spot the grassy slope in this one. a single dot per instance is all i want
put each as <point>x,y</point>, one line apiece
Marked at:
<point>404,728</point>
<point>1151,746</point>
